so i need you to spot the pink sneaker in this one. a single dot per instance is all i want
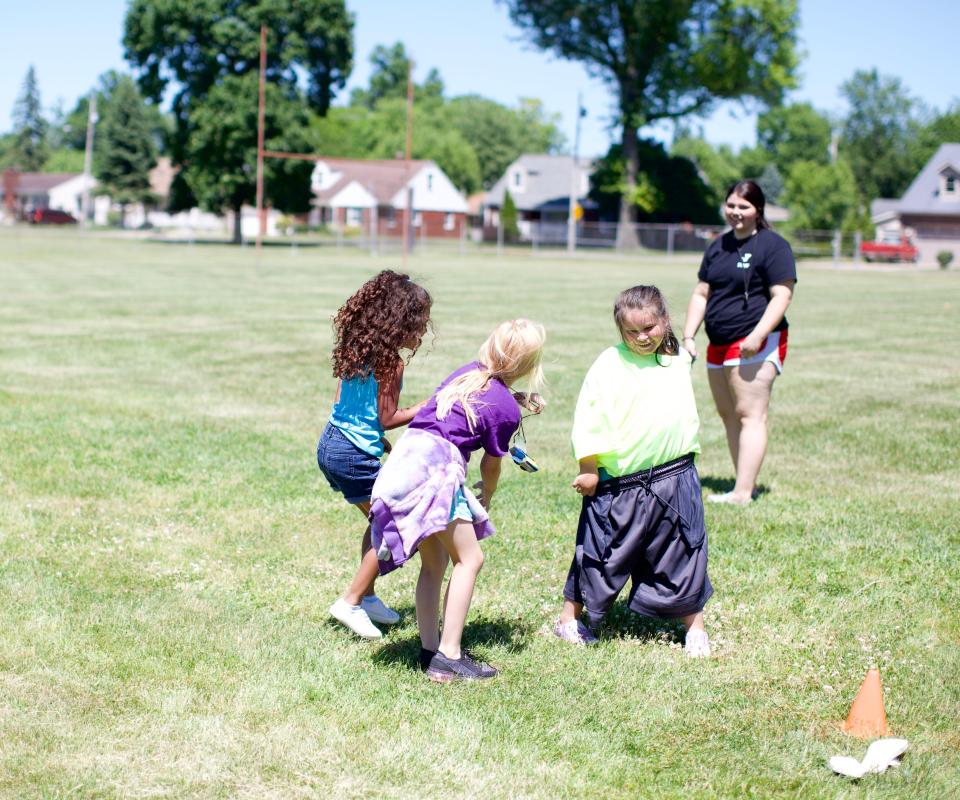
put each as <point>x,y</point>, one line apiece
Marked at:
<point>574,632</point>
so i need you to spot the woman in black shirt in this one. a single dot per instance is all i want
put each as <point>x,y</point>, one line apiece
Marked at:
<point>745,284</point>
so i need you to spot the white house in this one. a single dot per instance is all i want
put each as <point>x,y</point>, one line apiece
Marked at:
<point>371,194</point>
<point>540,186</point>
<point>62,191</point>
<point>929,209</point>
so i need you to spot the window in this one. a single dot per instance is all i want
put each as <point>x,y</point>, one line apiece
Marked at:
<point>448,222</point>
<point>950,185</point>
<point>517,179</point>
<point>354,217</point>
<point>417,219</point>
<point>391,216</point>
<point>429,181</point>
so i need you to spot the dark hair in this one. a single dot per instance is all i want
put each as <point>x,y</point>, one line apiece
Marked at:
<point>637,298</point>
<point>753,194</point>
<point>371,328</point>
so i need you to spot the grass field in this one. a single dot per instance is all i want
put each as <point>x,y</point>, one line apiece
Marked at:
<point>168,549</point>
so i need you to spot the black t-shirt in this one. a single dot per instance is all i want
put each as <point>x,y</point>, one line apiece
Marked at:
<point>740,273</point>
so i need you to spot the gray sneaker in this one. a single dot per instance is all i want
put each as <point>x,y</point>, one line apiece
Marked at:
<point>574,632</point>
<point>449,670</point>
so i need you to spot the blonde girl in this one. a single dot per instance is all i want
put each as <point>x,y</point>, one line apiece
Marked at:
<point>421,502</point>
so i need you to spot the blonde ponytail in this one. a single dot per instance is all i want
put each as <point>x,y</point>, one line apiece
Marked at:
<point>511,352</point>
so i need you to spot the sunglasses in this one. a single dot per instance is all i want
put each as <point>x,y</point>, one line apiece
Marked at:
<point>532,402</point>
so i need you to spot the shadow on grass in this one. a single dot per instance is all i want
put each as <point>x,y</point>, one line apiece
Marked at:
<point>622,623</point>
<point>246,242</point>
<point>481,632</point>
<point>715,485</point>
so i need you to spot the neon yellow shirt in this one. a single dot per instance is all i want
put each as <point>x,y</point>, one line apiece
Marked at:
<point>633,413</point>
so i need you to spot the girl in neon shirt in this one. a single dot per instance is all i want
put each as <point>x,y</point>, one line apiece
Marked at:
<point>635,434</point>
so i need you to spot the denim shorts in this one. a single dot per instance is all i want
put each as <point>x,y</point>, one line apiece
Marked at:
<point>346,467</point>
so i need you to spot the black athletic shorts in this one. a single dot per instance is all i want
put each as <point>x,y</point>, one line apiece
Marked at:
<point>648,527</point>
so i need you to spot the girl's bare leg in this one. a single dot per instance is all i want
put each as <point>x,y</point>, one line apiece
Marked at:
<point>570,611</point>
<point>433,565</point>
<point>726,404</point>
<point>461,543</point>
<point>366,575</point>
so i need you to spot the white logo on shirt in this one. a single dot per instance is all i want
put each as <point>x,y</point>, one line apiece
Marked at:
<point>744,262</point>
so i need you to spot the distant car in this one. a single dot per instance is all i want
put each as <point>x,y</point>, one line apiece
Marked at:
<point>890,248</point>
<point>52,216</point>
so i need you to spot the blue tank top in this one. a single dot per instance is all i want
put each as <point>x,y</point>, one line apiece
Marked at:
<point>356,414</point>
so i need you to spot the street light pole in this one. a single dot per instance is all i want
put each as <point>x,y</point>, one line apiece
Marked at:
<point>574,181</point>
<point>88,159</point>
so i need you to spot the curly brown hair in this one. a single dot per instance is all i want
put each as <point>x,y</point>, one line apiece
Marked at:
<point>383,317</point>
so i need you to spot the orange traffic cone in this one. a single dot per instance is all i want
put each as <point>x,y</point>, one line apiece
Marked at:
<point>867,717</point>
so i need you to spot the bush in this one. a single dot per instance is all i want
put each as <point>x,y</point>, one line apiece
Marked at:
<point>944,257</point>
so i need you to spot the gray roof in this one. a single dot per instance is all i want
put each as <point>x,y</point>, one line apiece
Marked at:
<point>923,195</point>
<point>546,182</point>
<point>883,206</point>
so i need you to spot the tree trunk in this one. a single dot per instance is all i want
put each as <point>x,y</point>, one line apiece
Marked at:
<point>238,225</point>
<point>626,233</point>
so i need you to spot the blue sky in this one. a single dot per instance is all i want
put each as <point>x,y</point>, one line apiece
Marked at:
<point>477,50</point>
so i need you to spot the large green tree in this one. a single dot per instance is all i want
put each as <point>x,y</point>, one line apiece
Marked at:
<point>877,131</point>
<point>821,196</point>
<point>199,46</point>
<point>669,187</point>
<point>224,131</point>
<point>30,150</point>
<point>796,132</point>
<point>128,151</point>
<point>667,59</point>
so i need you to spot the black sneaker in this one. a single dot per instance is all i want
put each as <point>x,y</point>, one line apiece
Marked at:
<point>425,657</point>
<point>482,668</point>
<point>448,670</point>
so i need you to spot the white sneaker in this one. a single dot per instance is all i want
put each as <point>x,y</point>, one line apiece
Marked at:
<point>355,618</point>
<point>378,611</point>
<point>697,644</point>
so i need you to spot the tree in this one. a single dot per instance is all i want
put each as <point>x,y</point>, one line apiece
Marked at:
<point>717,165</point>
<point>508,218</point>
<point>669,188</point>
<point>204,46</point>
<point>792,133</point>
<point>224,132</point>
<point>73,127</point>
<point>128,150</point>
<point>29,127</point>
<point>668,59</point>
<point>938,129</point>
<point>499,135</point>
<point>877,132</point>
<point>821,196</point>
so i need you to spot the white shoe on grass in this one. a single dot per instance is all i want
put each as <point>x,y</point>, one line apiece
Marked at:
<point>378,611</point>
<point>355,618</point>
<point>697,644</point>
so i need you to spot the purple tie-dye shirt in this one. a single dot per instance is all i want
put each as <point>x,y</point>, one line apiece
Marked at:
<point>498,417</point>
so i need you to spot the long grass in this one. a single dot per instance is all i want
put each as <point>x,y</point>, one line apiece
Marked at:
<point>168,549</point>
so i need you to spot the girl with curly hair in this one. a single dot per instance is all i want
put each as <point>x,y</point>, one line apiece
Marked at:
<point>387,316</point>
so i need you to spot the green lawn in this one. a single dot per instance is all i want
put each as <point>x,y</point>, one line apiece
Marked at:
<point>168,549</point>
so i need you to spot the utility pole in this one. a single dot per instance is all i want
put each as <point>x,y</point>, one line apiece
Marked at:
<point>575,181</point>
<point>261,114</point>
<point>408,206</point>
<point>88,159</point>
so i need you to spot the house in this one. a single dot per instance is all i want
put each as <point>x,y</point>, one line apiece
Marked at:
<point>371,194</point>
<point>540,186</point>
<point>930,208</point>
<point>30,191</point>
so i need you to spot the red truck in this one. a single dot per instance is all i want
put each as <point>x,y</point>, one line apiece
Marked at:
<point>890,248</point>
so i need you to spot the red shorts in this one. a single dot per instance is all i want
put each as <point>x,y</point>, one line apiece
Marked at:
<point>773,349</point>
